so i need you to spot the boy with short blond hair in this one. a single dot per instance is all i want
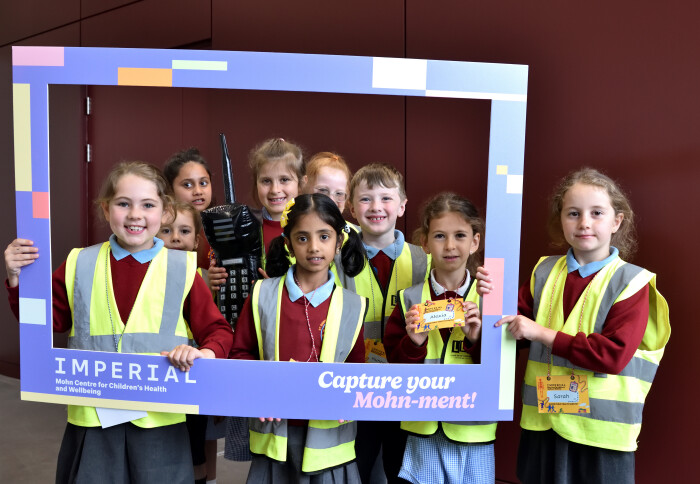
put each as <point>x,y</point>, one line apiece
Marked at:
<point>377,200</point>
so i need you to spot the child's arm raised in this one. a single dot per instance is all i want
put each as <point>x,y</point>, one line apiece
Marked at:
<point>19,253</point>
<point>606,352</point>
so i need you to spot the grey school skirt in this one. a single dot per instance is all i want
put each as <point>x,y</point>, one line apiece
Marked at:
<point>125,454</point>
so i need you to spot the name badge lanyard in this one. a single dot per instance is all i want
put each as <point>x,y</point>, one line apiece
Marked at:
<point>109,309</point>
<point>549,320</point>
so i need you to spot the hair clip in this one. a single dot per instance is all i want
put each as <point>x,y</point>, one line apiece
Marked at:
<point>285,213</point>
<point>346,229</point>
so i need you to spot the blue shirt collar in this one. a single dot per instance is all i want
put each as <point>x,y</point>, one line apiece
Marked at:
<point>265,214</point>
<point>320,294</point>
<point>392,251</point>
<point>142,256</point>
<point>592,267</point>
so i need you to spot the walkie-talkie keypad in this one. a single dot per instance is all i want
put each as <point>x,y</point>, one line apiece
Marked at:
<point>233,293</point>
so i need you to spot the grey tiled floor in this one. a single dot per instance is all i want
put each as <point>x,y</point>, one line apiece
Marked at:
<point>31,435</point>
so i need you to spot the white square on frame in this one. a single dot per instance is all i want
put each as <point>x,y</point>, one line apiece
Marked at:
<point>514,184</point>
<point>32,311</point>
<point>390,73</point>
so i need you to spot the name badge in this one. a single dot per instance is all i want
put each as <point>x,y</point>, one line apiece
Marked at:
<point>446,313</point>
<point>374,351</point>
<point>563,394</point>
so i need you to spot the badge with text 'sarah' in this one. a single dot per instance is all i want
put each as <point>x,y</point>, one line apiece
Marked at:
<point>447,313</point>
<point>563,394</point>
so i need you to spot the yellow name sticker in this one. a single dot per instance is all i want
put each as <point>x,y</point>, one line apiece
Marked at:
<point>446,313</point>
<point>563,394</point>
<point>374,351</point>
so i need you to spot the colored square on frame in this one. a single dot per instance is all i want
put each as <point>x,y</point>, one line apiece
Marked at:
<point>514,184</point>
<point>37,56</point>
<point>501,169</point>
<point>40,205</point>
<point>493,303</point>
<point>136,76</point>
<point>23,137</point>
<point>399,73</point>
<point>32,311</point>
<point>198,65</point>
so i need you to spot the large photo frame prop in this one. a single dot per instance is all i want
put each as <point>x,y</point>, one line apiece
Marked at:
<point>482,392</point>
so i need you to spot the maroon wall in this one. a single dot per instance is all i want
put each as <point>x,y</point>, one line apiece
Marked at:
<point>612,85</point>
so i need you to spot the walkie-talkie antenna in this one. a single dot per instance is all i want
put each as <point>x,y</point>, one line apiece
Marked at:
<point>229,190</point>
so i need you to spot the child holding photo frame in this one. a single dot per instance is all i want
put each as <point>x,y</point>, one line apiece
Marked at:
<point>129,275</point>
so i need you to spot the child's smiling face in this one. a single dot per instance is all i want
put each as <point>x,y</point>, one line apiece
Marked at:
<point>588,222</point>
<point>276,185</point>
<point>376,209</point>
<point>179,234</point>
<point>134,214</point>
<point>333,183</point>
<point>313,243</point>
<point>450,240</point>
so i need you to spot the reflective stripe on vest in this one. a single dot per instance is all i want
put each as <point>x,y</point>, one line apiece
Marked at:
<point>455,431</point>
<point>616,401</point>
<point>157,323</point>
<point>328,443</point>
<point>411,267</point>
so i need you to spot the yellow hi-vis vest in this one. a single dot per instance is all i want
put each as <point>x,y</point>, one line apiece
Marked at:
<point>438,353</point>
<point>155,323</point>
<point>328,443</point>
<point>616,400</point>
<point>411,267</point>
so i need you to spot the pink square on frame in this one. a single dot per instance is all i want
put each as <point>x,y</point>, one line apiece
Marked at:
<point>493,303</point>
<point>37,56</point>
<point>40,205</point>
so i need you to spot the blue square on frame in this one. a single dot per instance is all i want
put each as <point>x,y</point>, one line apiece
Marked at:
<point>32,311</point>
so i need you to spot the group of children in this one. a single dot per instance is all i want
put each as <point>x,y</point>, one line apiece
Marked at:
<point>334,292</point>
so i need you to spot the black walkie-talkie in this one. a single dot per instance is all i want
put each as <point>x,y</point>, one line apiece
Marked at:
<point>236,237</point>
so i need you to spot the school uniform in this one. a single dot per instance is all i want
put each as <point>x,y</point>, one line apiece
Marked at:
<point>152,287</point>
<point>334,334</point>
<point>612,326</point>
<point>396,267</point>
<point>236,444</point>
<point>441,452</point>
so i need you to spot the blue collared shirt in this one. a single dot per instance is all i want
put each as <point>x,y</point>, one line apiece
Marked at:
<point>393,251</point>
<point>142,256</point>
<point>265,214</point>
<point>592,267</point>
<point>315,297</point>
